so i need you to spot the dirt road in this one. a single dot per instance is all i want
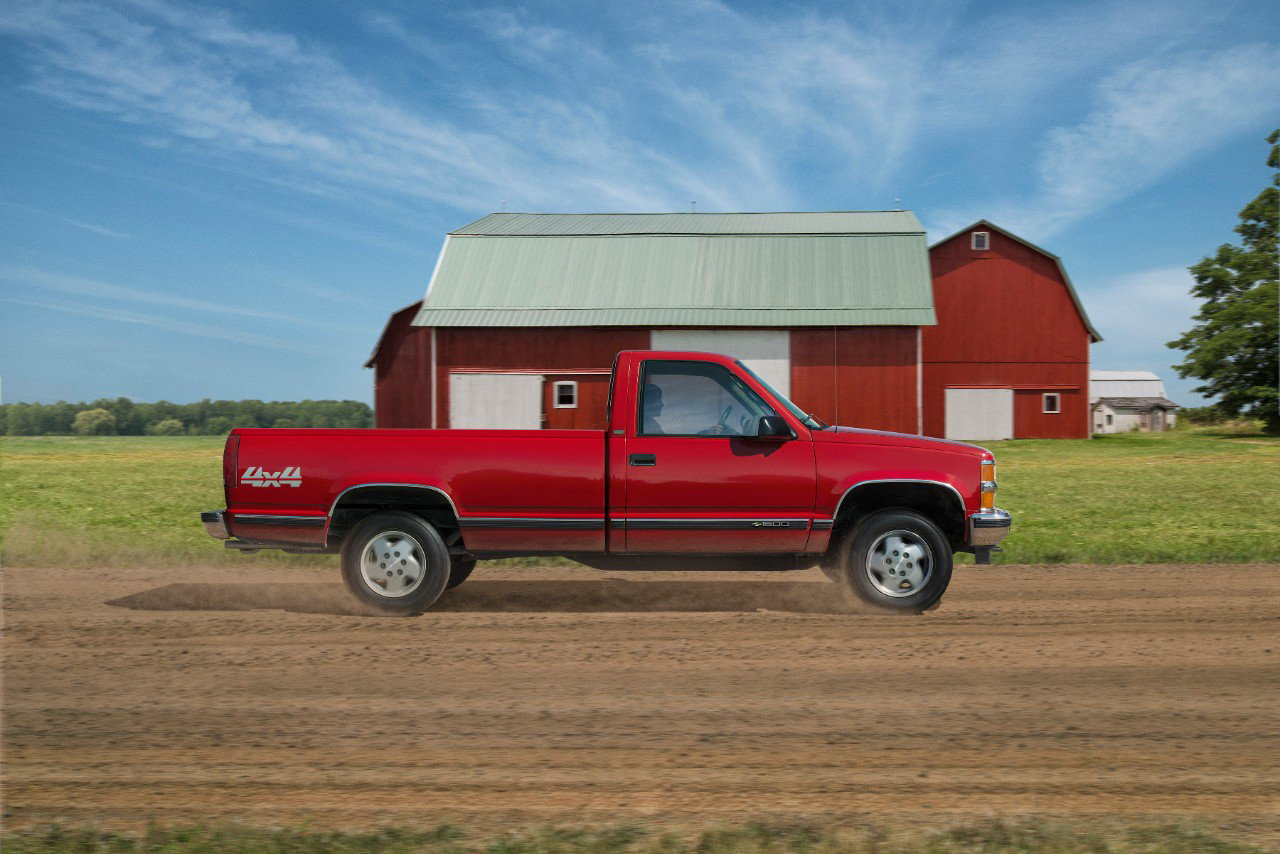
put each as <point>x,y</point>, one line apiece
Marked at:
<point>577,696</point>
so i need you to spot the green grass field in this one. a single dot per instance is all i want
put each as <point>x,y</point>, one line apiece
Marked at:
<point>1194,495</point>
<point>991,837</point>
<point>114,501</point>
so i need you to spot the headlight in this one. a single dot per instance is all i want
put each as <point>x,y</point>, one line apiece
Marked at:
<point>988,484</point>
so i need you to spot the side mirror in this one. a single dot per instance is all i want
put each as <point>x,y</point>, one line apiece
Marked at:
<point>773,427</point>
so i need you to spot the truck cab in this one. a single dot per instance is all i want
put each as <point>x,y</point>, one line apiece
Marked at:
<point>702,462</point>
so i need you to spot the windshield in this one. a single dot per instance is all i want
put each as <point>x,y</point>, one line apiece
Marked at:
<point>806,419</point>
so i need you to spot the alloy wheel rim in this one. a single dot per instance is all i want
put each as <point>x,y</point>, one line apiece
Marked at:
<point>899,563</point>
<point>392,564</point>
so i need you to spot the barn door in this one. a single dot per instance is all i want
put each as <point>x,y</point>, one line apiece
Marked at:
<point>495,401</point>
<point>979,413</point>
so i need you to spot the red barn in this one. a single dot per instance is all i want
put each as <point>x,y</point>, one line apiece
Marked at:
<point>1009,355</point>
<point>525,313</point>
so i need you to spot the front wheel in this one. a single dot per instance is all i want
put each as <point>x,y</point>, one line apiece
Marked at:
<point>395,562</point>
<point>897,560</point>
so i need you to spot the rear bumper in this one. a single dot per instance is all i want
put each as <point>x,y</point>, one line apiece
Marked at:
<point>215,522</point>
<point>989,527</point>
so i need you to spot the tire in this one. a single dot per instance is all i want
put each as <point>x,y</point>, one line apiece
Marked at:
<point>460,571</point>
<point>897,560</point>
<point>412,571</point>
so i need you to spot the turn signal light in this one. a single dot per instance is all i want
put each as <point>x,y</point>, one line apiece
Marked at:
<point>988,484</point>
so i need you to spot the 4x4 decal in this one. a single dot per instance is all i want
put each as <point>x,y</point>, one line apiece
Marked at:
<point>258,476</point>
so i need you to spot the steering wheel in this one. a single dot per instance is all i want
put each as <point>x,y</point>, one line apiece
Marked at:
<point>720,426</point>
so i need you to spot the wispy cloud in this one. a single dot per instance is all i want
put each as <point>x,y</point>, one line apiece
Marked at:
<point>93,228</point>
<point>169,324</point>
<point>200,78</point>
<point>1138,314</point>
<point>734,107</point>
<point>31,278</point>
<point>1150,118</point>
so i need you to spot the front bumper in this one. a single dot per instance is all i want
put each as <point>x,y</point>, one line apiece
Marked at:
<point>989,527</point>
<point>215,522</point>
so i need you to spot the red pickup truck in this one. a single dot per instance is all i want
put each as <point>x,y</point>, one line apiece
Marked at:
<point>703,465</point>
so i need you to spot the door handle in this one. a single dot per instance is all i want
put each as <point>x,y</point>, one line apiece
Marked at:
<point>642,460</point>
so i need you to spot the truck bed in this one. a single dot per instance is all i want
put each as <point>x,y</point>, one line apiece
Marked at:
<point>551,475</point>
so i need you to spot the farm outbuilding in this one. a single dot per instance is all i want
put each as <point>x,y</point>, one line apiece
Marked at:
<point>1009,355</point>
<point>850,313</point>
<point>1130,400</point>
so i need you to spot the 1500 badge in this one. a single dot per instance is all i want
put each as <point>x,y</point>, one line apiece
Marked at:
<point>258,476</point>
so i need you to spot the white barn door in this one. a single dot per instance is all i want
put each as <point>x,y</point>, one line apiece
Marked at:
<point>765,351</point>
<point>495,401</point>
<point>979,413</point>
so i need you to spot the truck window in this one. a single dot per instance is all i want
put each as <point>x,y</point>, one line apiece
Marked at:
<point>696,399</point>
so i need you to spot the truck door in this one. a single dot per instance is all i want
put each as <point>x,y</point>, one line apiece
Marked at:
<point>698,479</point>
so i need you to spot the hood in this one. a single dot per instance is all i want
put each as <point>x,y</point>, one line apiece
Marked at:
<point>899,440</point>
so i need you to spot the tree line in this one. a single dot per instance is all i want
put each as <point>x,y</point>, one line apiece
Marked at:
<point>123,417</point>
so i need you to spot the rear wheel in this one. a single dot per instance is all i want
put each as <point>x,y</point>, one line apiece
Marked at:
<point>396,562</point>
<point>897,560</point>
<point>460,571</point>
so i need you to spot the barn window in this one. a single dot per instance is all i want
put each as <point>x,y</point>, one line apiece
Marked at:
<point>566,395</point>
<point>1111,419</point>
<point>1052,403</point>
<point>981,241</point>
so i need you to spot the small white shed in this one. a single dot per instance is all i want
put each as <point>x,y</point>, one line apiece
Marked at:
<point>1129,400</point>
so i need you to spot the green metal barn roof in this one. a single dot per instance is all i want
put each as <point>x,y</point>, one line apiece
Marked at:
<point>767,269</point>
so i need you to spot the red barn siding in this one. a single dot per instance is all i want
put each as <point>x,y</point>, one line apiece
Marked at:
<point>861,376</point>
<point>402,373</point>
<point>1028,382</point>
<point>1006,319</point>
<point>1030,420</point>
<point>813,372</point>
<point>592,411</point>
<point>1010,292</point>
<point>552,350</point>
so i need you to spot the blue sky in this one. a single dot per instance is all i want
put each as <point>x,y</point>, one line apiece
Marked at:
<point>227,201</point>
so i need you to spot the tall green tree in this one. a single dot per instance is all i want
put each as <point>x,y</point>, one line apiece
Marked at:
<point>1235,343</point>
<point>95,422</point>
